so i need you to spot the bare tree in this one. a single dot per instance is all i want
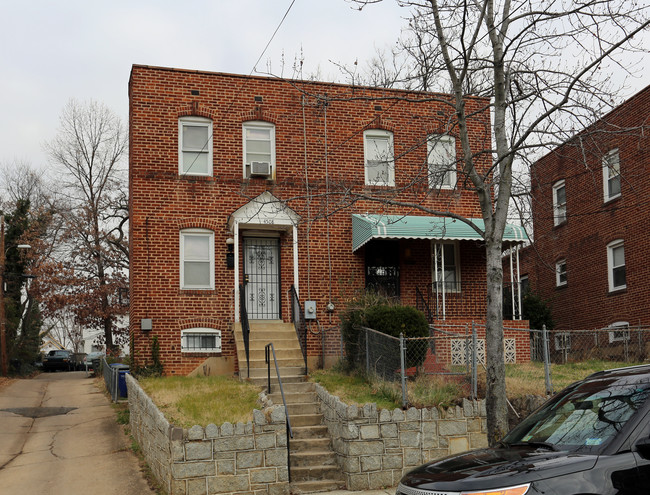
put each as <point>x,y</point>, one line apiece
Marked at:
<point>89,149</point>
<point>543,66</point>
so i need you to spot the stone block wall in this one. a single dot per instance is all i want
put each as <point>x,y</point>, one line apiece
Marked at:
<point>242,458</point>
<point>375,448</point>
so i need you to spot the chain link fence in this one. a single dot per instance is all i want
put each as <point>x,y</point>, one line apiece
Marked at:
<point>457,353</point>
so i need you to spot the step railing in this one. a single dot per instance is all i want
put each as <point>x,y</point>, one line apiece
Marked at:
<point>269,351</point>
<point>245,327</point>
<point>299,323</point>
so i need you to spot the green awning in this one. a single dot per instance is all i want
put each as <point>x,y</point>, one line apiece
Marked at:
<point>367,227</point>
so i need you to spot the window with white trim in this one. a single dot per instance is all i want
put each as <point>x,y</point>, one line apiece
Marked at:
<point>620,332</point>
<point>259,148</point>
<point>446,269</point>
<point>194,146</point>
<point>559,203</point>
<point>611,175</point>
<point>616,265</point>
<point>562,341</point>
<point>560,273</point>
<point>441,157</point>
<point>197,259</point>
<point>524,285</point>
<point>201,340</point>
<point>379,159</point>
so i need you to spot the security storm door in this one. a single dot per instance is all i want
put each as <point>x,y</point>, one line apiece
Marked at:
<point>262,278</point>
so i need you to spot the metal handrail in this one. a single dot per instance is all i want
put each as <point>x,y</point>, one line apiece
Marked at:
<point>423,304</point>
<point>267,358</point>
<point>245,327</point>
<point>299,323</point>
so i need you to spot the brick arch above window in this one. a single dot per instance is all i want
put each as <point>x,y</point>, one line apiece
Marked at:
<point>198,322</point>
<point>196,109</point>
<point>197,223</point>
<point>379,123</point>
<point>259,113</point>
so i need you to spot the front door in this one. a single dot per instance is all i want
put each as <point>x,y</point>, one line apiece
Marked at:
<point>262,278</point>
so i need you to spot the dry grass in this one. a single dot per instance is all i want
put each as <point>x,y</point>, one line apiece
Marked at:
<point>187,401</point>
<point>5,382</point>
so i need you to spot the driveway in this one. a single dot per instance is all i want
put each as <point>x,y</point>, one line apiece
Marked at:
<point>58,435</point>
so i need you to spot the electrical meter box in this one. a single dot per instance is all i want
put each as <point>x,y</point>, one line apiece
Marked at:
<point>310,310</point>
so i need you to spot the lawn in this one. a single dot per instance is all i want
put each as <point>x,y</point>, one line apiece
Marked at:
<point>186,401</point>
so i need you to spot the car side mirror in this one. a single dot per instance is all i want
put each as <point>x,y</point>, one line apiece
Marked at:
<point>643,447</point>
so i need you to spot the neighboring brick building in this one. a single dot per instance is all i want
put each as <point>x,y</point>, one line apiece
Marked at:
<point>219,168</point>
<point>591,213</point>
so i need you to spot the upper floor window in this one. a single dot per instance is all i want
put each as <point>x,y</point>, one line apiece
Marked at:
<point>524,285</point>
<point>446,273</point>
<point>611,175</point>
<point>195,146</point>
<point>441,153</point>
<point>380,164</point>
<point>616,265</point>
<point>259,148</point>
<point>559,203</point>
<point>200,340</point>
<point>197,259</point>
<point>560,273</point>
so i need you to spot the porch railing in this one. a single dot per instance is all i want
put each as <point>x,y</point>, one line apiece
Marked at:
<point>299,323</point>
<point>269,351</point>
<point>422,304</point>
<point>245,327</point>
<point>441,300</point>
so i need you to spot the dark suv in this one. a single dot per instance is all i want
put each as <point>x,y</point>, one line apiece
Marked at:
<point>591,438</point>
<point>58,360</point>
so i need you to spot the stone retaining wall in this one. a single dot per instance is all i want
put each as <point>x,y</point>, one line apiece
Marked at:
<point>375,448</point>
<point>242,458</point>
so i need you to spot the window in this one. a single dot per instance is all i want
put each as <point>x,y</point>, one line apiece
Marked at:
<point>195,146</point>
<point>616,265</point>
<point>201,340</point>
<point>446,267</point>
<point>524,285</point>
<point>611,175</point>
<point>559,203</point>
<point>259,148</point>
<point>560,273</point>
<point>441,152</point>
<point>378,150</point>
<point>562,341</point>
<point>197,259</point>
<point>619,332</point>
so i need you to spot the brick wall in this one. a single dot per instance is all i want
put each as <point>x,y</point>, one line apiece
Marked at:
<point>331,158</point>
<point>586,302</point>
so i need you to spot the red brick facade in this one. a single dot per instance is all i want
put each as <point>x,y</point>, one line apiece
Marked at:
<point>319,142</point>
<point>595,220</point>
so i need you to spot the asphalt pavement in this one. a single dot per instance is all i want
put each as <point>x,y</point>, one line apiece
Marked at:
<point>58,435</point>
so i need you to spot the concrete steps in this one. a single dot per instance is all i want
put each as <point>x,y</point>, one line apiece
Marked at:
<point>312,462</point>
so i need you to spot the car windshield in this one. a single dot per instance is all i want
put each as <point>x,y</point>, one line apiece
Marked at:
<point>587,417</point>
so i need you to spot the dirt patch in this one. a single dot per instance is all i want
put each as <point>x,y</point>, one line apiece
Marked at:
<point>5,382</point>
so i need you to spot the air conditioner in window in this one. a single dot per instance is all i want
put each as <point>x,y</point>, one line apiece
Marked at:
<point>260,168</point>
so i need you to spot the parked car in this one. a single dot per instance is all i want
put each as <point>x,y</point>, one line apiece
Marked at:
<point>58,360</point>
<point>593,437</point>
<point>88,358</point>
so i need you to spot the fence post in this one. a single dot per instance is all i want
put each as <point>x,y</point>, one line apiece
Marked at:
<point>402,352</point>
<point>367,354</point>
<point>474,363</point>
<point>547,363</point>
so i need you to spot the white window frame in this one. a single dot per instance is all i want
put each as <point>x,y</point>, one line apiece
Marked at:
<point>611,267</point>
<point>200,331</point>
<point>559,209</point>
<point>436,144</point>
<point>192,121</point>
<point>619,332</point>
<point>611,162</point>
<point>560,269</point>
<point>562,341</point>
<point>197,233</point>
<point>436,270</point>
<point>367,154</point>
<point>266,126</point>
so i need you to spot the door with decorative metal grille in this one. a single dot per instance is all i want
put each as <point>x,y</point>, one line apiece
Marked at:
<point>262,278</point>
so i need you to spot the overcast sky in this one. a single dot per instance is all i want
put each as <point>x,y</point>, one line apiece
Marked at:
<point>84,49</point>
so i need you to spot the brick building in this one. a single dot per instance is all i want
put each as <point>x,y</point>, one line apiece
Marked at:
<point>590,220</point>
<point>247,190</point>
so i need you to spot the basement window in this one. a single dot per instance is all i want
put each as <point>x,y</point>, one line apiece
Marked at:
<point>201,340</point>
